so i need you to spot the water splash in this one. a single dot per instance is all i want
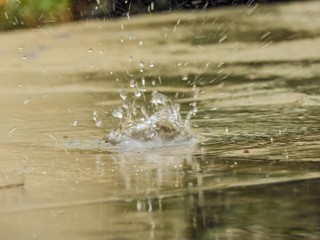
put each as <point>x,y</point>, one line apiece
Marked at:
<point>156,121</point>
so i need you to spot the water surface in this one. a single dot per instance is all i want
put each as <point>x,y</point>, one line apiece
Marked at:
<point>253,172</point>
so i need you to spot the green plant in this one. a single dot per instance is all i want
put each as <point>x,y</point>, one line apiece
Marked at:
<point>29,13</point>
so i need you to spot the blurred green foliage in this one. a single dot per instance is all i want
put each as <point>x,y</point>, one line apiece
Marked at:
<point>29,13</point>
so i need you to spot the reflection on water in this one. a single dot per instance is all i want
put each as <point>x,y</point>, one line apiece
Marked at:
<point>253,172</point>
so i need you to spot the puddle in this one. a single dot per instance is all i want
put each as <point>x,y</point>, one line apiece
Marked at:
<point>228,147</point>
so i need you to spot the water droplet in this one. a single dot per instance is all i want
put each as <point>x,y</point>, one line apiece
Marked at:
<point>94,115</point>
<point>141,63</point>
<point>75,123</point>
<point>26,100</point>
<point>137,93</point>
<point>151,64</point>
<point>132,83</point>
<point>265,35</point>
<point>96,119</point>
<point>12,130</point>
<point>121,39</point>
<point>139,206</point>
<point>144,112</point>
<point>24,57</point>
<point>223,38</point>
<point>140,43</point>
<point>220,64</point>
<point>90,50</point>
<point>130,58</point>
<point>99,123</point>
<point>130,37</point>
<point>123,94</point>
<point>20,49</point>
<point>184,77</point>
<point>174,28</point>
<point>125,105</point>
<point>100,43</point>
<point>118,113</point>
<point>227,130</point>
<point>143,84</point>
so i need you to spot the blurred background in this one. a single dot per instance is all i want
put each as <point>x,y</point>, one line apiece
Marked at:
<point>28,13</point>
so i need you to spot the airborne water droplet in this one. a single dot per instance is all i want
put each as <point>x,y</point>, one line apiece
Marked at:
<point>90,50</point>
<point>151,64</point>
<point>121,39</point>
<point>123,94</point>
<point>141,63</point>
<point>96,119</point>
<point>118,113</point>
<point>12,130</point>
<point>185,77</point>
<point>130,58</point>
<point>26,100</point>
<point>94,115</point>
<point>137,93</point>
<point>140,43</point>
<point>75,123</point>
<point>223,38</point>
<point>143,83</point>
<point>132,83</point>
